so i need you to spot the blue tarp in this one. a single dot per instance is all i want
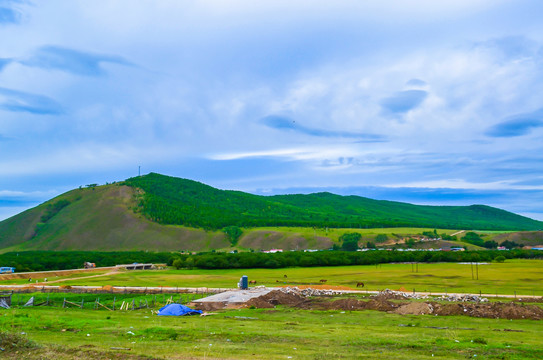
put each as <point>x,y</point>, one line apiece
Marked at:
<point>177,310</point>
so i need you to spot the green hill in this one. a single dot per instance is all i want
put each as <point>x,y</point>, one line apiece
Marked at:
<point>160,213</point>
<point>99,218</point>
<point>169,200</point>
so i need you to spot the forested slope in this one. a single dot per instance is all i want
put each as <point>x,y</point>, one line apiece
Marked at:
<point>170,200</point>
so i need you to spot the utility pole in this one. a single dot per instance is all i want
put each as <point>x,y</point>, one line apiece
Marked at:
<point>139,170</point>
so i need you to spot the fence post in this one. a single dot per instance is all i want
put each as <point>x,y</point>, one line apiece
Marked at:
<point>114,303</point>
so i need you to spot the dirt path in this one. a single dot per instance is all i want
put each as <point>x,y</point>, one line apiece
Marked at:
<point>113,272</point>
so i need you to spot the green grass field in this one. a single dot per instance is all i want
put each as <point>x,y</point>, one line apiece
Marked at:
<point>281,333</point>
<point>523,277</point>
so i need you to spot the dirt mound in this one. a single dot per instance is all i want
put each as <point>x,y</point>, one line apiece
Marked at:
<point>415,308</point>
<point>276,297</point>
<point>207,306</point>
<point>344,304</point>
<point>449,309</point>
<point>381,305</point>
<point>495,310</point>
<point>506,311</point>
<point>105,287</point>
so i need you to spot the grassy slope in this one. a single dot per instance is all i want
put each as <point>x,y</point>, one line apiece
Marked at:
<point>185,202</point>
<point>100,219</point>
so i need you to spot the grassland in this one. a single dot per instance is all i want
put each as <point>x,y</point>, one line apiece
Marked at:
<point>281,333</point>
<point>514,276</point>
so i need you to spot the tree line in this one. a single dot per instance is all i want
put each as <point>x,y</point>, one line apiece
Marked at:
<point>64,260</point>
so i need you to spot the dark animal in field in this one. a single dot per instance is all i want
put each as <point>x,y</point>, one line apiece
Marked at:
<point>360,284</point>
<point>252,281</point>
<point>276,280</point>
<point>285,276</point>
<point>323,281</point>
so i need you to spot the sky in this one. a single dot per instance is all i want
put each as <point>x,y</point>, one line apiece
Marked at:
<point>421,101</point>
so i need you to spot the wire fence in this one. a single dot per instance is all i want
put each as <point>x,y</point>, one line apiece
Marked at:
<point>102,301</point>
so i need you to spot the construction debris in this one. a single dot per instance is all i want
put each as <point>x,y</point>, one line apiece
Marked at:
<point>388,294</point>
<point>462,298</point>
<point>309,291</point>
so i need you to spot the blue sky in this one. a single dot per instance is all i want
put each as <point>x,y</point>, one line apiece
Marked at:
<point>429,102</point>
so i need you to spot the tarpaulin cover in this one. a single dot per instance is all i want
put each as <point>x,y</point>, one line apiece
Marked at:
<point>177,310</point>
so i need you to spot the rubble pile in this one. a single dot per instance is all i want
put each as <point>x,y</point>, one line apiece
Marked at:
<point>309,292</point>
<point>462,298</point>
<point>397,295</point>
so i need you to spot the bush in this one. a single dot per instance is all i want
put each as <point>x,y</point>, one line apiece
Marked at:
<point>499,259</point>
<point>381,238</point>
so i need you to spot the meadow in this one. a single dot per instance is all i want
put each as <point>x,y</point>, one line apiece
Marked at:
<point>47,332</point>
<point>281,333</point>
<point>516,276</point>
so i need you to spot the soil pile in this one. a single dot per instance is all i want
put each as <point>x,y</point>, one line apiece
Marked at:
<point>343,304</point>
<point>415,308</point>
<point>496,310</point>
<point>277,297</point>
<point>381,305</point>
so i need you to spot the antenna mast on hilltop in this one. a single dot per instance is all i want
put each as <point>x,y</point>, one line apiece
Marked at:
<point>139,170</point>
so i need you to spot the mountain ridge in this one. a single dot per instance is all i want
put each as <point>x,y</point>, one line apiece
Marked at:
<point>203,206</point>
<point>157,213</point>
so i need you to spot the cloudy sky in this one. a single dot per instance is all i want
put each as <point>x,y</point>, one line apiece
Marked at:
<point>423,101</point>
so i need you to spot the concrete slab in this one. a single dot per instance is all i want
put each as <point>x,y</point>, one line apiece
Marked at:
<point>235,296</point>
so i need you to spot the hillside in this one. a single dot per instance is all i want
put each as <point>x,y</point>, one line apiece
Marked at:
<point>169,200</point>
<point>99,218</point>
<point>161,213</point>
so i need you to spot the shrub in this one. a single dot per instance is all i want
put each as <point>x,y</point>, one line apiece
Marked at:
<point>499,259</point>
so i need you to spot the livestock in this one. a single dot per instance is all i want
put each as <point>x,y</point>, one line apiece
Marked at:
<point>252,281</point>
<point>360,284</point>
<point>285,276</point>
<point>323,281</point>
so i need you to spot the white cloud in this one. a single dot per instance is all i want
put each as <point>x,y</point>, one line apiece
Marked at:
<point>207,72</point>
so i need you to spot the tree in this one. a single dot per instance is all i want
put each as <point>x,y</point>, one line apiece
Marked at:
<point>490,244</point>
<point>381,238</point>
<point>473,238</point>
<point>233,234</point>
<point>350,241</point>
<point>177,263</point>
